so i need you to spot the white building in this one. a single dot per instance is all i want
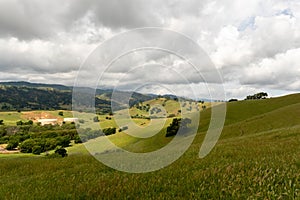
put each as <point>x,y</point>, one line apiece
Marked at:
<point>70,120</point>
<point>47,121</point>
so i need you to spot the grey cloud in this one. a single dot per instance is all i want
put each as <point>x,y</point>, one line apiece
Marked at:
<point>45,38</point>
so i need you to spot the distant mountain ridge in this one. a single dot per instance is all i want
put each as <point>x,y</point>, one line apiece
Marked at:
<point>35,85</point>
<point>38,96</point>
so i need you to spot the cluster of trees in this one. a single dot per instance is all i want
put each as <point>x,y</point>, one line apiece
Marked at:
<point>19,98</point>
<point>155,110</point>
<point>25,98</point>
<point>29,138</point>
<point>177,123</point>
<point>140,106</point>
<point>20,123</point>
<point>109,131</point>
<point>88,134</point>
<point>137,116</point>
<point>32,138</point>
<point>232,100</point>
<point>261,95</point>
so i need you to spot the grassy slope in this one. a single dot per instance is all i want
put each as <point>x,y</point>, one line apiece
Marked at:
<point>10,118</point>
<point>257,157</point>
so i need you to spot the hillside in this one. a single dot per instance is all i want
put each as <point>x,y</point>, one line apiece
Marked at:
<point>37,96</point>
<point>257,157</point>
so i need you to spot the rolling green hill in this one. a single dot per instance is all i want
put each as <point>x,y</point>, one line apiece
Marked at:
<point>257,157</point>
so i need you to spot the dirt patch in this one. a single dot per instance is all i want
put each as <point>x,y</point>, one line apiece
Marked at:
<point>4,151</point>
<point>35,116</point>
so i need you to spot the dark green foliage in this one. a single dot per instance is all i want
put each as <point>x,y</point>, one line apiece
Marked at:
<point>37,150</point>
<point>63,141</point>
<point>25,98</point>
<point>173,128</point>
<point>140,106</point>
<point>43,138</point>
<point>232,100</point>
<point>137,116</point>
<point>1,122</point>
<point>12,144</point>
<point>177,123</point>
<point>62,152</point>
<point>20,123</point>
<point>109,131</point>
<point>26,146</point>
<point>77,140</point>
<point>171,115</point>
<point>20,96</point>
<point>261,95</point>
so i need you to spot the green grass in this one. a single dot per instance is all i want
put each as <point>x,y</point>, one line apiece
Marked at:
<point>257,157</point>
<point>253,167</point>
<point>10,118</point>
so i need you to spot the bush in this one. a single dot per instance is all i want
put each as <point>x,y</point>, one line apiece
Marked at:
<point>26,146</point>
<point>77,140</point>
<point>176,124</point>
<point>171,115</point>
<point>12,144</point>
<point>37,150</point>
<point>96,119</point>
<point>232,100</point>
<point>109,131</point>
<point>19,123</point>
<point>62,152</point>
<point>63,141</point>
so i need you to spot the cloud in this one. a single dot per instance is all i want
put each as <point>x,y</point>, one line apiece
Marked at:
<point>279,72</point>
<point>254,44</point>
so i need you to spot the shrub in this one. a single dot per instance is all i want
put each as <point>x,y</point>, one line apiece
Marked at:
<point>109,131</point>
<point>173,128</point>
<point>171,115</point>
<point>77,140</point>
<point>96,119</point>
<point>37,150</point>
<point>232,100</point>
<point>12,144</point>
<point>19,123</point>
<point>61,151</point>
<point>26,146</point>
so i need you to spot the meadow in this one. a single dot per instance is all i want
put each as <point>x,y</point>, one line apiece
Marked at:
<point>257,157</point>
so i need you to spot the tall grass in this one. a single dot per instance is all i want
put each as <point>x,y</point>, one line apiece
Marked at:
<point>262,163</point>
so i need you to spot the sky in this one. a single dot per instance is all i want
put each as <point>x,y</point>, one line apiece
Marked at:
<point>254,45</point>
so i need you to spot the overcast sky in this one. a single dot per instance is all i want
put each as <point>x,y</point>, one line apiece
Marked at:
<point>254,44</point>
